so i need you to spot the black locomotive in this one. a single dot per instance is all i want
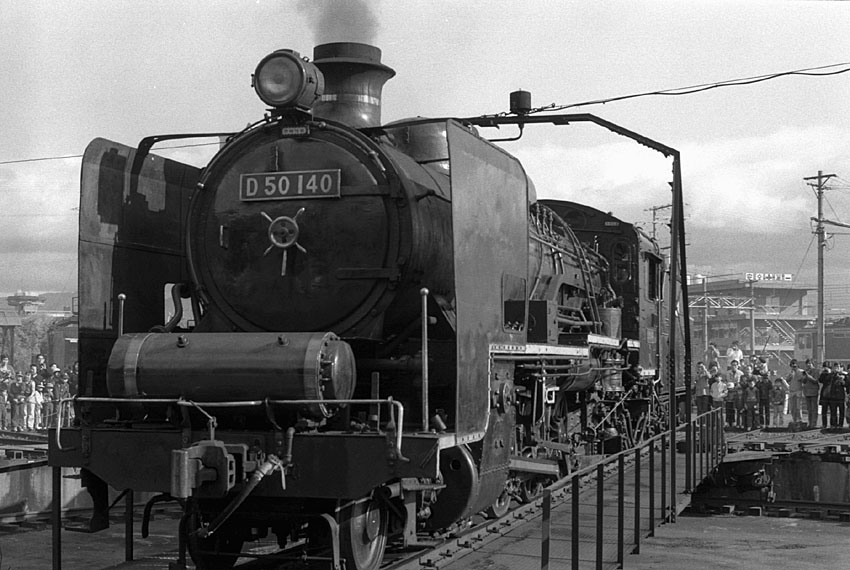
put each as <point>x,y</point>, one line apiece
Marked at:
<point>342,331</point>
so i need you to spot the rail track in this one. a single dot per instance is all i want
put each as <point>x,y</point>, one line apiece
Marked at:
<point>22,438</point>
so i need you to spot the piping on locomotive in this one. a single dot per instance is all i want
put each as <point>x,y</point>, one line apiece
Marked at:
<point>389,333</point>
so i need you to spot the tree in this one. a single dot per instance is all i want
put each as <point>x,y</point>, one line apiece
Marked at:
<point>31,339</point>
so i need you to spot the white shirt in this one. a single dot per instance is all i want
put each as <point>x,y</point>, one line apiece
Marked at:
<point>734,354</point>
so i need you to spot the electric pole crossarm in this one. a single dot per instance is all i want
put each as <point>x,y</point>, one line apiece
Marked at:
<point>831,223</point>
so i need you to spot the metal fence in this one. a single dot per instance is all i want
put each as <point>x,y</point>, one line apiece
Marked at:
<point>646,481</point>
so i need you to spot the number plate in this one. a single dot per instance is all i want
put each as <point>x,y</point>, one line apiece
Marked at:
<point>292,185</point>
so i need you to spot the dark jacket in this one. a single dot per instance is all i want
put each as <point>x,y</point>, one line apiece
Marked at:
<point>837,390</point>
<point>810,385</point>
<point>764,386</point>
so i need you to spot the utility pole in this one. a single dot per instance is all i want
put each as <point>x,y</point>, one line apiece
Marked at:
<point>819,187</point>
<point>654,211</point>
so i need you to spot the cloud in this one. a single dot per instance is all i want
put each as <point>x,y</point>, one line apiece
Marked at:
<point>755,184</point>
<point>39,215</point>
<point>38,206</point>
<point>743,185</point>
<point>38,271</point>
<point>621,177</point>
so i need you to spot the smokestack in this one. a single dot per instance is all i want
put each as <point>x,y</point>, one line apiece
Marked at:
<point>354,78</point>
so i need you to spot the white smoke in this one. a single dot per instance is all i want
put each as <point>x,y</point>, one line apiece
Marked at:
<point>341,20</point>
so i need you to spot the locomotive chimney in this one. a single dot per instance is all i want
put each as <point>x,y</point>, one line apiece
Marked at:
<point>354,78</point>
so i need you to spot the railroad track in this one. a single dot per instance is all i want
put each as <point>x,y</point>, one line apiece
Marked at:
<point>784,440</point>
<point>22,438</point>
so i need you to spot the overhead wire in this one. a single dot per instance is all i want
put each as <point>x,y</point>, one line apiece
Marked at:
<point>805,256</point>
<point>67,156</point>
<point>808,71</point>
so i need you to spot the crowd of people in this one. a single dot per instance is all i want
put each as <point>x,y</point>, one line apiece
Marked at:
<point>752,396</point>
<point>31,401</point>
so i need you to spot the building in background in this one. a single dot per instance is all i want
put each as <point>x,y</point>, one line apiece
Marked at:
<point>763,312</point>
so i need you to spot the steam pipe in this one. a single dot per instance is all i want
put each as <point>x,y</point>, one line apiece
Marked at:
<point>424,293</point>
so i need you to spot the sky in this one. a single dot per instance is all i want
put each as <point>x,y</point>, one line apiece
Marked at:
<point>121,70</point>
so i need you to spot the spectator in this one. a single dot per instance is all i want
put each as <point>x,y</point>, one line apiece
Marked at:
<point>744,383</point>
<point>701,389</point>
<point>764,387</point>
<point>835,397</point>
<point>712,355</point>
<point>74,378</point>
<point>61,392</point>
<point>741,402</point>
<point>751,400</point>
<point>734,353</point>
<point>38,421</point>
<point>6,369</point>
<point>41,367</point>
<point>29,402</point>
<point>811,389</point>
<point>4,403</point>
<point>825,380</point>
<point>7,377</point>
<point>777,402</point>
<point>47,405</point>
<point>795,392</point>
<point>16,397</point>
<point>719,389</point>
<point>733,379</point>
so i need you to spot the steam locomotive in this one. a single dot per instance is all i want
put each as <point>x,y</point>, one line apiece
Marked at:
<point>344,332</point>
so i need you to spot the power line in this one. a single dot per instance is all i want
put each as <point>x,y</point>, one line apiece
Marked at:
<point>809,71</point>
<point>67,156</point>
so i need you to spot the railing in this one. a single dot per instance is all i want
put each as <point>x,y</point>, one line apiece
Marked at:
<point>703,444</point>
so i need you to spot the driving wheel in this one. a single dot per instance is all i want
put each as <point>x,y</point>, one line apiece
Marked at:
<point>363,534</point>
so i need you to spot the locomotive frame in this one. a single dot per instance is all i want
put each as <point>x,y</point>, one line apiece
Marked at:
<point>188,415</point>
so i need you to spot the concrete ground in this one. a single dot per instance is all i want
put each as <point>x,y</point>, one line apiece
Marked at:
<point>743,542</point>
<point>31,550</point>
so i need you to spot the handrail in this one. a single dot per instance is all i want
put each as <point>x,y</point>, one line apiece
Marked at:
<point>708,452</point>
<point>238,404</point>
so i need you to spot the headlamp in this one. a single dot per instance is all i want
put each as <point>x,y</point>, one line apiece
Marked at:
<point>282,79</point>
